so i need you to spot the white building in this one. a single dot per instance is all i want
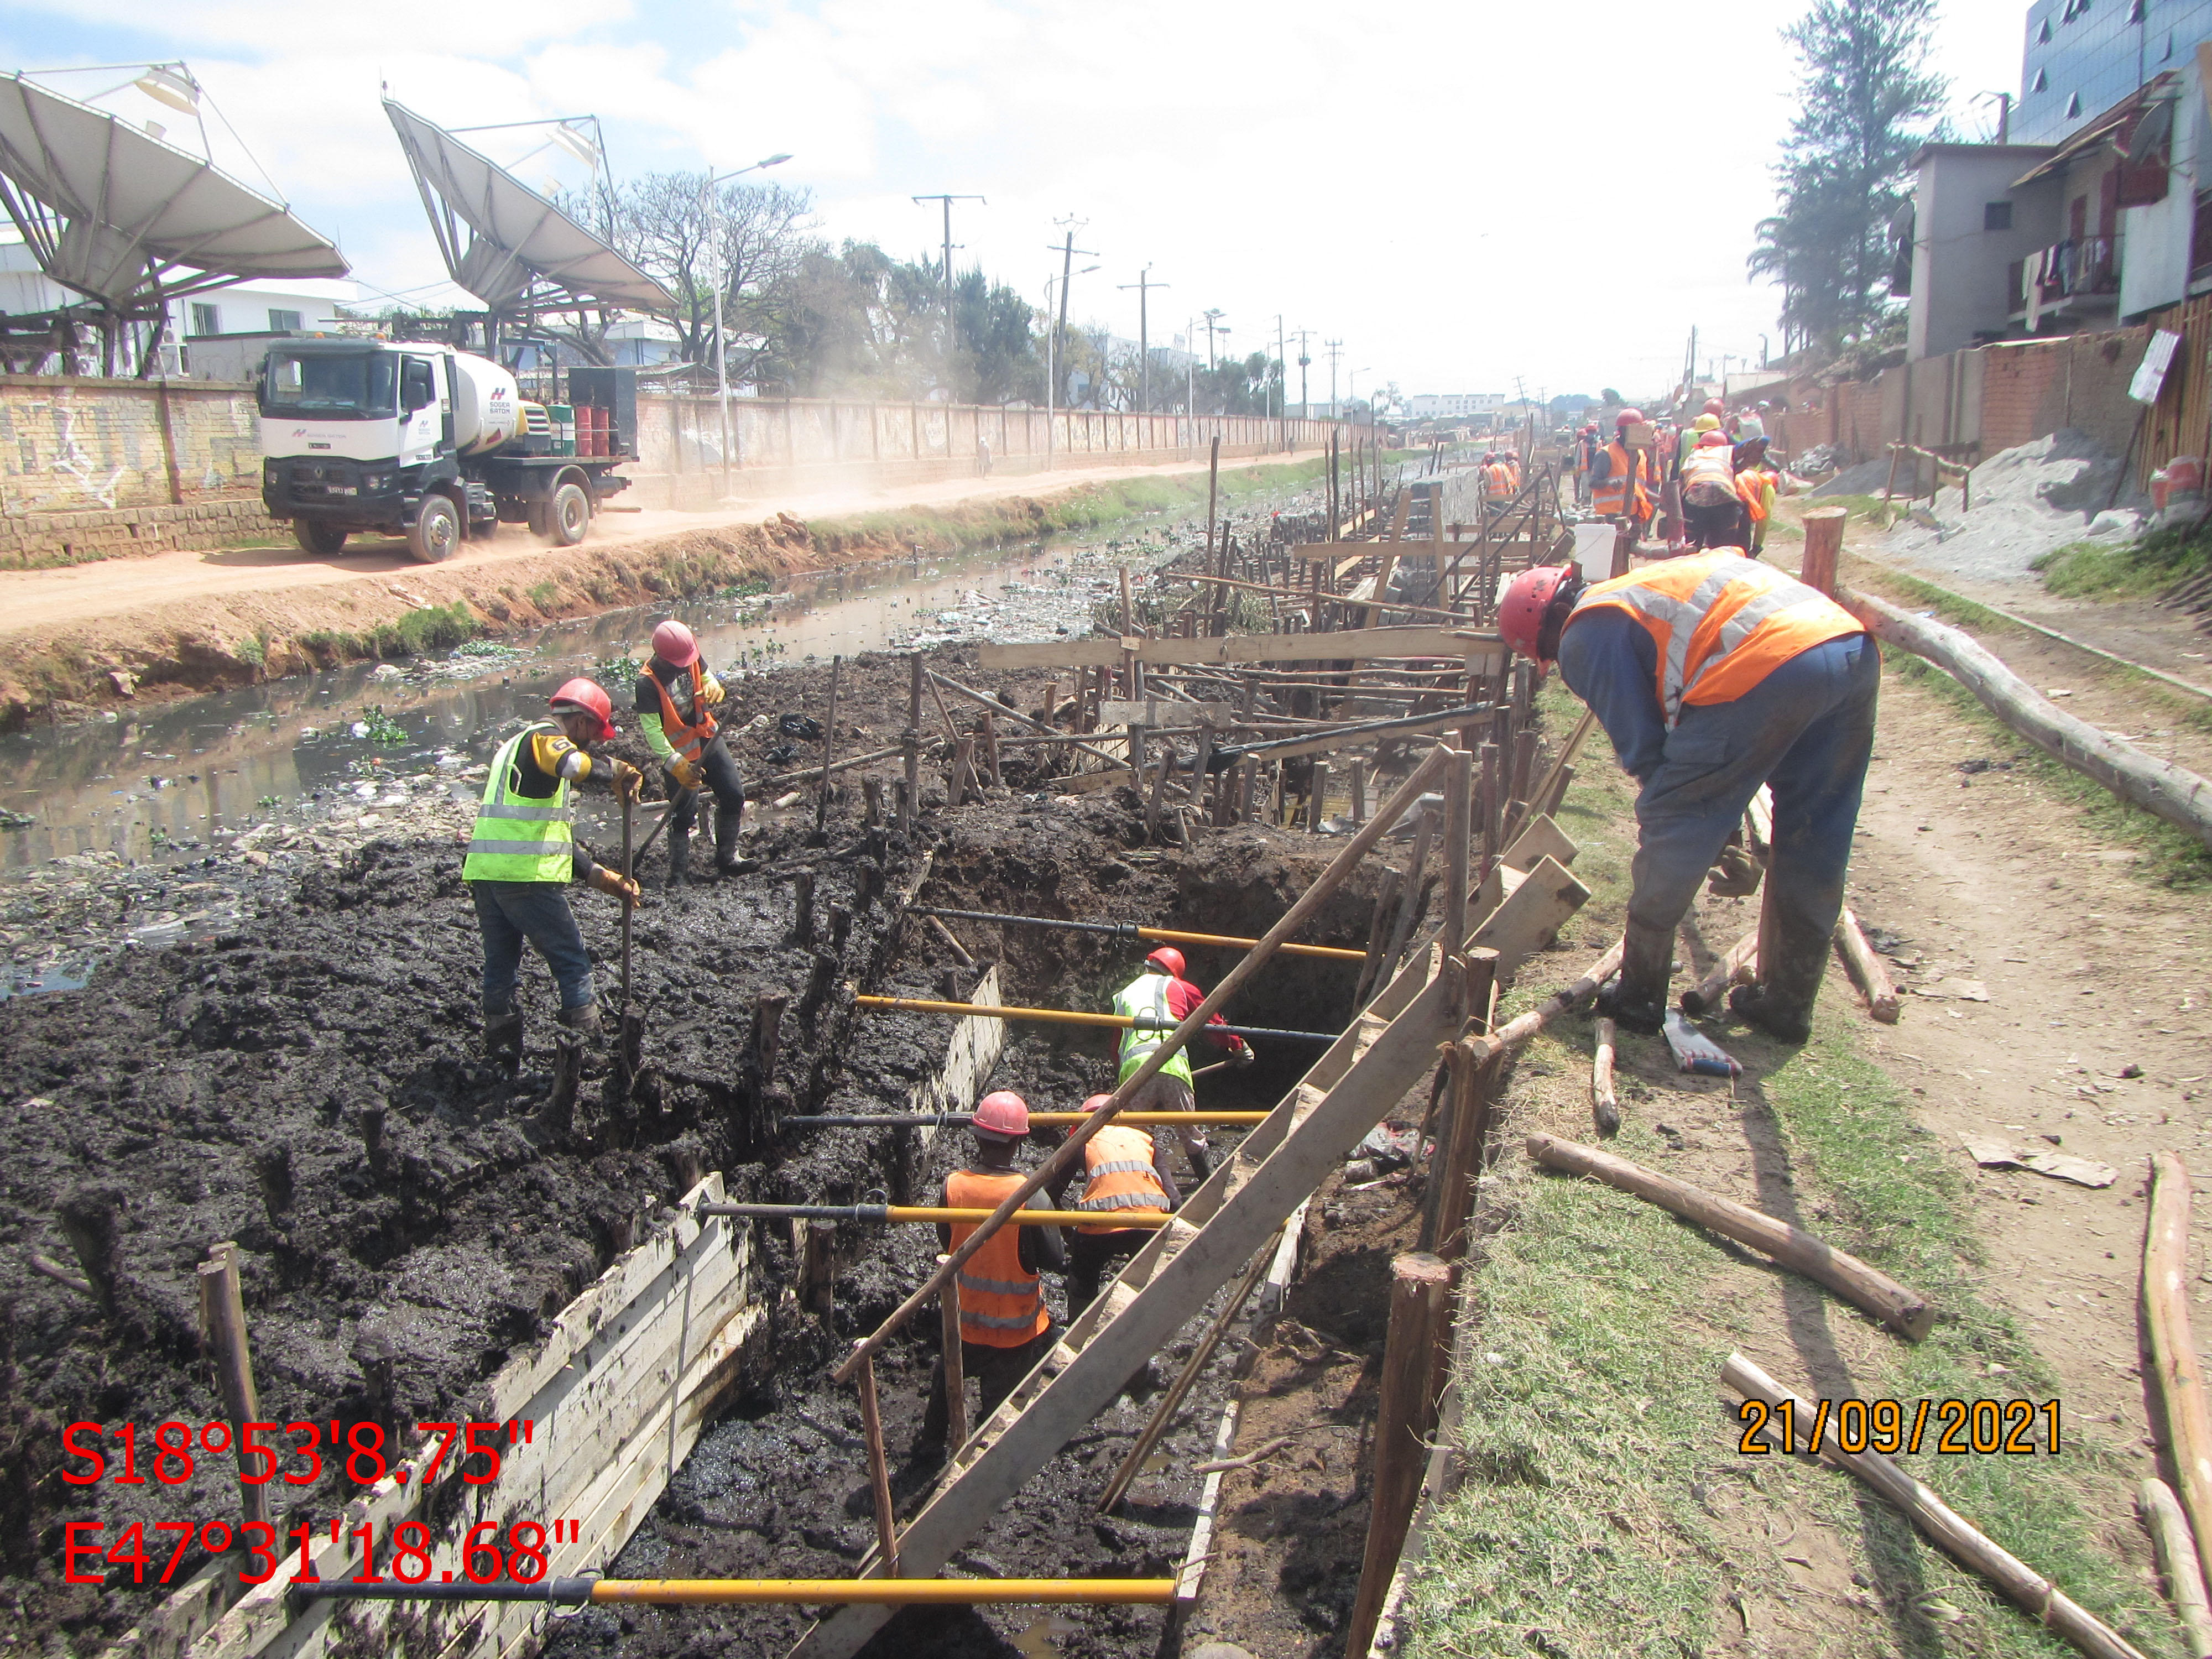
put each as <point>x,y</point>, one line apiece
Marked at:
<point>1423,405</point>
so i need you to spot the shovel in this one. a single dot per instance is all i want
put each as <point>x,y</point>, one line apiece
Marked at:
<point>631,1026</point>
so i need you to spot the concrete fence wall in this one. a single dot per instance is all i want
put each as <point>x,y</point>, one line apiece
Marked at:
<point>79,444</point>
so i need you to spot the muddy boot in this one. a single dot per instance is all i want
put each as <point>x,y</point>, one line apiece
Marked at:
<point>680,857</point>
<point>583,1019</point>
<point>502,1035</point>
<point>1781,1004</point>
<point>1638,998</point>
<point>726,861</point>
<point>1201,1161</point>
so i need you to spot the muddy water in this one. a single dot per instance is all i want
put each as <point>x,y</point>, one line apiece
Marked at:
<point>155,785</point>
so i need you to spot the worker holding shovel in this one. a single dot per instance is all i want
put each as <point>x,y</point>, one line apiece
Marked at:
<point>676,696</point>
<point>523,854</point>
<point>1713,675</point>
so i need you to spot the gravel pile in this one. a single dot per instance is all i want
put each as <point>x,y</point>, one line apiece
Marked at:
<point>2028,502</point>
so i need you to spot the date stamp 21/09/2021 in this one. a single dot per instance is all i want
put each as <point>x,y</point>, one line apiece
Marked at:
<point>1949,1428</point>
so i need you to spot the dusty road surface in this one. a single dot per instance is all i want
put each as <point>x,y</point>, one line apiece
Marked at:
<point>44,600</point>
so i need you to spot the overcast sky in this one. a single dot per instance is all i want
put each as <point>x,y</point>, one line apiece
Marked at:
<point>1463,193</point>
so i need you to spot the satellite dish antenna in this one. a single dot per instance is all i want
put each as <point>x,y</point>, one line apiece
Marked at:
<point>127,219</point>
<point>505,242</point>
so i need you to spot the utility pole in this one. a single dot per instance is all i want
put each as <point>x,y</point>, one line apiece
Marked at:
<point>1335,350</point>
<point>1305,409</point>
<point>951,328</point>
<point>1212,318</point>
<point>1068,252</point>
<point>1143,285</point>
<point>1282,399</point>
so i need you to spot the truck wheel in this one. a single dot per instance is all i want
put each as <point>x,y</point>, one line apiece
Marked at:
<point>323,539</point>
<point>437,530</point>
<point>571,514</point>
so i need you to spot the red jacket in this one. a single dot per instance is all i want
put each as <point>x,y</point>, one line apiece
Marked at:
<point>1183,997</point>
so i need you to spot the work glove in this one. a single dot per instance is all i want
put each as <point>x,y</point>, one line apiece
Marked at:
<point>626,779</point>
<point>613,884</point>
<point>710,688</point>
<point>687,774</point>
<point>1242,1055</point>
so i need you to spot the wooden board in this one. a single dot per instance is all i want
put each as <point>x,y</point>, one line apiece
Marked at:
<point>1156,712</point>
<point>974,1050</point>
<point>1531,916</point>
<point>1539,840</point>
<point>1352,644</point>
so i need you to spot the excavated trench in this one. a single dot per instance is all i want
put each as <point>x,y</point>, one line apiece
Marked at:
<point>231,1089</point>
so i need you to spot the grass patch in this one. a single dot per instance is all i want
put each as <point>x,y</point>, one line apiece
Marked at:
<point>545,595</point>
<point>1606,1507</point>
<point>2125,570</point>
<point>419,632</point>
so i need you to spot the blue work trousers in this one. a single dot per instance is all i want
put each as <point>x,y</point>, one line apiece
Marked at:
<point>510,912</point>
<point>1808,730</point>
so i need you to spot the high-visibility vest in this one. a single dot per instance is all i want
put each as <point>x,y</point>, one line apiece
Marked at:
<point>1723,622</point>
<point>520,837</point>
<point>1707,477</point>
<point>1609,494</point>
<point>687,740</point>
<point>1119,1176</point>
<point>1754,486</point>
<point>1146,998</point>
<point>1001,1305</point>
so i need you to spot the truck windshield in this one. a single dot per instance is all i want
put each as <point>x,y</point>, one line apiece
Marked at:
<point>354,386</point>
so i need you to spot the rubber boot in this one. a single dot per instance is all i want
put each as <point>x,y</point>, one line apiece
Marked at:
<point>583,1019</point>
<point>502,1035</point>
<point>680,857</point>
<point>1781,1004</point>
<point>1638,998</point>
<point>1201,1160</point>
<point>726,861</point>
<point>559,1112</point>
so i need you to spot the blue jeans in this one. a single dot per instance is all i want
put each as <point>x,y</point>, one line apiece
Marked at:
<point>1808,730</point>
<point>509,912</point>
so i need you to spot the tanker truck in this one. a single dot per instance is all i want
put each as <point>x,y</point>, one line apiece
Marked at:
<point>400,439</point>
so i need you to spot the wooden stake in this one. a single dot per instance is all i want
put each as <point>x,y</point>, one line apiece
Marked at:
<point>1371,969</point>
<point>1458,807</point>
<point>222,1323</point>
<point>1359,792</point>
<point>956,1375</point>
<point>1413,1382</point>
<point>1317,796</point>
<point>2019,1583</point>
<point>1409,895</point>
<point>2175,1366</point>
<point>829,754</point>
<point>1865,968</point>
<point>988,730</point>
<point>802,913</point>
<point>1740,962</point>
<point>1475,1080</point>
<point>1905,1311</point>
<point>1824,547</point>
<point>879,1469</point>
<point>1605,1107</point>
<point>948,936</point>
<point>2177,1559</point>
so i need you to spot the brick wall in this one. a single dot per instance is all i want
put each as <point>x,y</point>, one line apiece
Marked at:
<point>74,444</point>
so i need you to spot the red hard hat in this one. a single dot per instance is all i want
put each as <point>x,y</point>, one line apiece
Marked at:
<point>583,696</point>
<point>1628,417</point>
<point>1520,612</point>
<point>1715,406</point>
<point>1711,440</point>
<point>674,644</point>
<point>1096,1102</point>
<point>1168,958</point>
<point>1002,1115</point>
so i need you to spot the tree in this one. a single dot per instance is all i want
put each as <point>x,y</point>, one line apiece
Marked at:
<point>1866,101</point>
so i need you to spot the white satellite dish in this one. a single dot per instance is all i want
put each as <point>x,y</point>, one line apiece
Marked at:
<point>516,239</point>
<point>130,220</point>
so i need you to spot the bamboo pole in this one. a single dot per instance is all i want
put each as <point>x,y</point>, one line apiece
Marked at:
<point>1905,1311</point>
<point>1171,1401</point>
<point>1951,1533</point>
<point>1865,968</point>
<point>1063,1161</point>
<point>222,1322</point>
<point>939,684</point>
<point>1414,1355</point>
<point>1605,1104</point>
<point>2177,1559</point>
<point>1516,1031</point>
<point>956,1375</point>
<point>2175,1367</point>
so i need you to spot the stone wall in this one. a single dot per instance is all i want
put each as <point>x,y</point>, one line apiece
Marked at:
<point>73,443</point>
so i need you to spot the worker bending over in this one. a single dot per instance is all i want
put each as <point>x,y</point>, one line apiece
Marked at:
<point>675,693</point>
<point>1713,675</point>
<point>1712,512</point>
<point>1005,1327</point>
<point>1124,1174</point>
<point>1165,999</point>
<point>524,853</point>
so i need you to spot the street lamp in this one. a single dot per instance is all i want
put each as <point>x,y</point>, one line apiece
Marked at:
<point>1051,367</point>
<point>721,281</point>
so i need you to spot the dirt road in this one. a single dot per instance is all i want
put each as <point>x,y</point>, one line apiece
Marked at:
<point>44,600</point>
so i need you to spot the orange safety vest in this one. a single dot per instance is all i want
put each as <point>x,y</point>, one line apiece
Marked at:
<point>1721,621</point>
<point>1118,1176</point>
<point>1706,472</point>
<point>686,740</point>
<point>1754,485</point>
<point>1609,494</point>
<point>1001,1305</point>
